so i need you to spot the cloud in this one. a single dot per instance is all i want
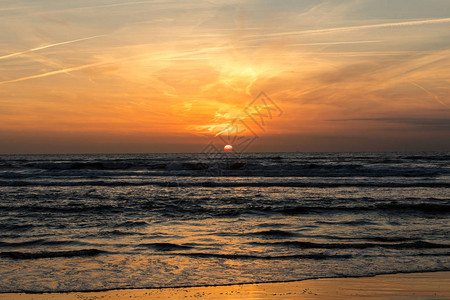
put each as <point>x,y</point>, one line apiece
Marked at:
<point>46,74</point>
<point>48,46</point>
<point>181,55</point>
<point>337,43</point>
<point>428,123</point>
<point>195,61</point>
<point>435,97</point>
<point>359,27</point>
<point>12,8</point>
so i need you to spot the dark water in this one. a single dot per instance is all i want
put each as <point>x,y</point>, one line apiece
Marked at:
<point>91,222</point>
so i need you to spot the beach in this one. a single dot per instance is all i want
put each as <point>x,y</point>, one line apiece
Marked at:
<point>431,285</point>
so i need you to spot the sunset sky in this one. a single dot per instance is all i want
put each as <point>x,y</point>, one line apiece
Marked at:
<point>166,76</point>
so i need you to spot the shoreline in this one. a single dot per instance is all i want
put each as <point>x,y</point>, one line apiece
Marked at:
<point>220,285</point>
<point>417,285</point>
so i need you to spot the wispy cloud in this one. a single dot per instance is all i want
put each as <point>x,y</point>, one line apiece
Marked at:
<point>121,4</point>
<point>435,123</point>
<point>11,8</point>
<point>435,97</point>
<point>337,43</point>
<point>56,72</point>
<point>358,27</point>
<point>111,5</point>
<point>48,46</point>
<point>182,55</point>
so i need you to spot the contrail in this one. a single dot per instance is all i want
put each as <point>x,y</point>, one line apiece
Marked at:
<point>429,93</point>
<point>383,25</point>
<point>77,68</point>
<point>66,70</point>
<point>12,8</point>
<point>71,69</point>
<point>336,43</point>
<point>104,6</point>
<point>120,4</point>
<point>48,46</point>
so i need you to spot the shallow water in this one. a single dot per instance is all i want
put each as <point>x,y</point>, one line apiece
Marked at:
<point>91,222</point>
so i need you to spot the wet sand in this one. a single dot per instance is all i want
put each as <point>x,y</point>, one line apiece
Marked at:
<point>434,285</point>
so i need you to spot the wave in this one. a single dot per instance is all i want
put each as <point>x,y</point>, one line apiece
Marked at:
<point>51,254</point>
<point>131,224</point>
<point>405,208</point>
<point>426,157</point>
<point>178,183</point>
<point>16,227</point>
<point>270,165</point>
<point>273,234</point>
<point>396,246</point>
<point>39,242</point>
<point>99,165</point>
<point>81,209</point>
<point>109,233</point>
<point>165,246</point>
<point>175,208</point>
<point>263,257</point>
<point>348,223</point>
<point>118,165</point>
<point>385,238</point>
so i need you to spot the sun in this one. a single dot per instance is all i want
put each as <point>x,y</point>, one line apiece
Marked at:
<point>228,148</point>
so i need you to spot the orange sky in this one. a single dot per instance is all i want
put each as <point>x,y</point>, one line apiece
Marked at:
<point>165,76</point>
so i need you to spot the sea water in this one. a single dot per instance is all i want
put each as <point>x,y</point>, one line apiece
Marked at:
<point>96,222</point>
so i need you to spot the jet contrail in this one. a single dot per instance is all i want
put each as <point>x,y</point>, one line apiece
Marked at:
<point>77,68</point>
<point>66,70</point>
<point>103,6</point>
<point>71,69</point>
<point>12,8</point>
<point>48,46</point>
<point>121,4</point>
<point>371,26</point>
<point>429,93</point>
<point>336,43</point>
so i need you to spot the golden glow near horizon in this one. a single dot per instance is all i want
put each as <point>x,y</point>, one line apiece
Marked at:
<point>152,76</point>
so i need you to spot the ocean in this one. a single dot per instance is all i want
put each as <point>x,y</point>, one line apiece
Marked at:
<point>97,222</point>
